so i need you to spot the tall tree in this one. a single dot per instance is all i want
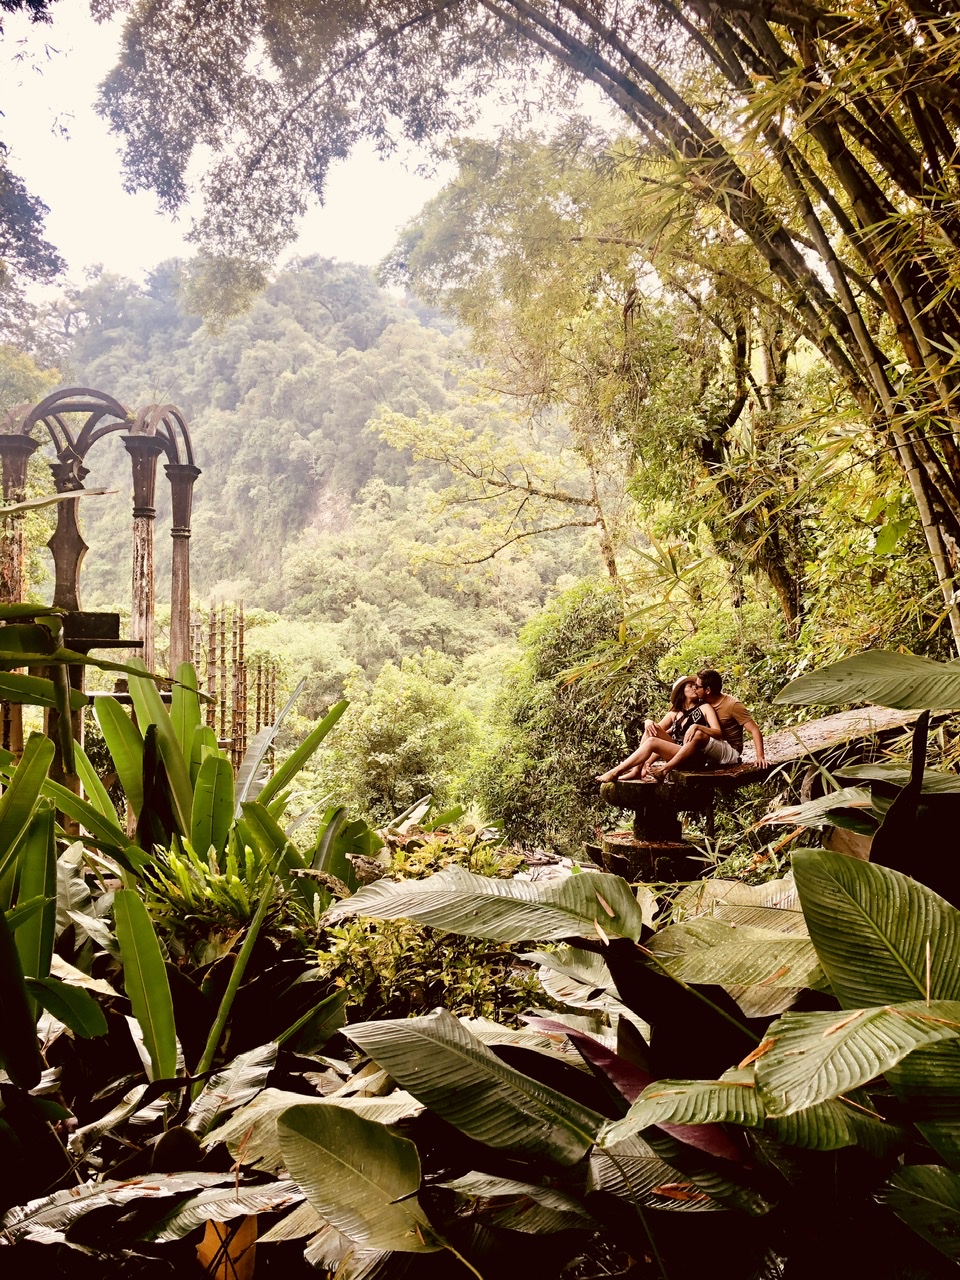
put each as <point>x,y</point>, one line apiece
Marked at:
<point>825,134</point>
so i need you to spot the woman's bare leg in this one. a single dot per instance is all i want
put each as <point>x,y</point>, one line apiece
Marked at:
<point>634,765</point>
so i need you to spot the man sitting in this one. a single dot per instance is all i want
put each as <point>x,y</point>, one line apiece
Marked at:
<point>721,747</point>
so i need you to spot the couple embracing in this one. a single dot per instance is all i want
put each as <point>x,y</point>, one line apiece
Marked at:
<point>703,728</point>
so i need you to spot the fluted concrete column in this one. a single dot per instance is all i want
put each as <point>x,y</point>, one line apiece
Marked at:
<point>182,477</point>
<point>144,451</point>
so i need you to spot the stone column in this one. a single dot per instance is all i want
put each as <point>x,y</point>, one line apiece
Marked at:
<point>182,476</point>
<point>144,451</point>
<point>15,453</point>
<point>67,542</point>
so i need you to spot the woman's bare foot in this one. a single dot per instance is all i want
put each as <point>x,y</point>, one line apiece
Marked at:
<point>607,777</point>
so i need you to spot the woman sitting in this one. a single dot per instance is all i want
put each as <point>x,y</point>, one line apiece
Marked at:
<point>662,739</point>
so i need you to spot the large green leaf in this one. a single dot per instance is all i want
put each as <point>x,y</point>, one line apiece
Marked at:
<point>297,759</point>
<point>873,929</point>
<point>19,800</point>
<point>125,744</point>
<point>36,691</point>
<point>631,1170</point>
<point>688,1102</point>
<point>101,831</point>
<point>851,807</point>
<point>185,707</point>
<point>927,1198</point>
<point>38,878</point>
<point>145,982</point>
<point>586,905</point>
<point>249,781</point>
<point>900,680</point>
<point>437,1060</point>
<point>527,1207</point>
<point>212,814</point>
<point>358,1176</point>
<point>926,1084</point>
<point>150,710</point>
<point>250,1134</point>
<point>71,1005</point>
<point>811,1057</point>
<point>705,951</point>
<point>97,793</point>
<point>238,1083</point>
<point>221,1204</point>
<point>19,1050</point>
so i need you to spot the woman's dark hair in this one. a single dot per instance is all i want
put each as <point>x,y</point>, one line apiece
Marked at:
<point>677,700</point>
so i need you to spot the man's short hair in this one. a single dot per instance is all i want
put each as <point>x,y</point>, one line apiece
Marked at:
<point>712,681</point>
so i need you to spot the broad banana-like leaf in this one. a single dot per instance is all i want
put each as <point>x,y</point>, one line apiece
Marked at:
<point>249,783</point>
<point>300,1222</point>
<point>19,800</point>
<point>221,1204</point>
<point>589,904</point>
<point>437,1060</point>
<point>705,951</point>
<point>810,1057</point>
<point>632,1171</point>
<point>841,1122</point>
<point>211,815</point>
<point>715,897</point>
<point>185,707</point>
<point>901,680</point>
<point>688,1102</point>
<point>204,744</point>
<point>934,782</point>
<point>555,1046</point>
<point>297,759</point>
<point>851,807</point>
<point>89,1135</point>
<point>102,832</point>
<point>927,1198</point>
<point>71,1005</point>
<point>150,710</point>
<point>926,1084</point>
<point>36,691</point>
<point>237,1084</point>
<point>357,1175</point>
<point>581,979</point>
<point>38,878</point>
<point>874,929</point>
<point>145,982</point>
<point>528,1207</point>
<point>125,744</point>
<point>19,1050</point>
<point>58,1211</point>
<point>97,793</point>
<point>250,1134</point>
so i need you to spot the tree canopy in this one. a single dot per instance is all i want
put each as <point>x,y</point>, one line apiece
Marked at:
<point>821,134</point>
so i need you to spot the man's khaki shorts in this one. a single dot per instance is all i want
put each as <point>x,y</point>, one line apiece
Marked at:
<point>719,752</point>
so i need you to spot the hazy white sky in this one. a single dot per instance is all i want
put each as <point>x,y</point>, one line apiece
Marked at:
<point>63,151</point>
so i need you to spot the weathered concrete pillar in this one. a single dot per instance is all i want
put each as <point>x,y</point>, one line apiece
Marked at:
<point>67,542</point>
<point>144,451</point>
<point>182,476</point>
<point>15,453</point>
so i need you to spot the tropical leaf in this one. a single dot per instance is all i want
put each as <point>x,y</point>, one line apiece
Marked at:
<point>248,775</point>
<point>841,1122</point>
<point>926,1085</point>
<point>927,1198</point>
<point>851,807</point>
<point>901,680</point>
<point>529,1208</point>
<point>589,904</point>
<point>212,812</point>
<point>297,759</point>
<point>810,1057</point>
<point>300,1222</point>
<point>875,929</point>
<point>250,1133</point>
<point>38,879</point>
<point>934,781</point>
<point>185,707</point>
<point>71,1005</point>
<point>59,1211</point>
<point>36,691</point>
<point>89,1135</point>
<point>151,711</point>
<point>708,951</point>
<point>235,1085</point>
<point>688,1102</point>
<point>19,800</point>
<point>222,1204</point>
<point>125,744</point>
<point>97,793</point>
<point>719,897</point>
<point>19,1050</point>
<point>145,982</point>
<point>632,1171</point>
<point>462,1081</point>
<point>357,1175</point>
